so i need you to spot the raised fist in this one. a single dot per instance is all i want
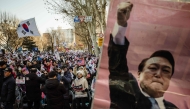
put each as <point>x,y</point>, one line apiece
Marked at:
<point>123,13</point>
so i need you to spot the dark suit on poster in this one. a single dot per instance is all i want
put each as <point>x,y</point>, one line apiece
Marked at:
<point>124,90</point>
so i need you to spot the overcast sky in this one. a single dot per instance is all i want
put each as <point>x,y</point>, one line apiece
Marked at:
<point>26,9</point>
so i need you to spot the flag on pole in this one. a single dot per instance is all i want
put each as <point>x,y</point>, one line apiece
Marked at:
<point>27,28</point>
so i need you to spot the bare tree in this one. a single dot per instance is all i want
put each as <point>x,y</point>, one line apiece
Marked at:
<point>72,8</point>
<point>39,42</point>
<point>60,36</point>
<point>8,36</point>
<point>54,37</point>
<point>82,31</point>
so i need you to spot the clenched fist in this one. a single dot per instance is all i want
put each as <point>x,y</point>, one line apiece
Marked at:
<point>123,13</point>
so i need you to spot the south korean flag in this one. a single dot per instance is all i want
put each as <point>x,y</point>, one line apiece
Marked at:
<point>38,73</point>
<point>64,44</point>
<point>27,28</point>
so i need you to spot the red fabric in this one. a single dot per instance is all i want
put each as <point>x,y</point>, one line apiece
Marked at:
<point>48,68</point>
<point>88,76</point>
<point>81,62</point>
<point>43,95</point>
<point>14,75</point>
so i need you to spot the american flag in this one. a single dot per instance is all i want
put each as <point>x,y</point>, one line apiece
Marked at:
<point>81,62</point>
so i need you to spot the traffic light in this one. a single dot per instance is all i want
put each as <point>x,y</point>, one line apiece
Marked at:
<point>100,41</point>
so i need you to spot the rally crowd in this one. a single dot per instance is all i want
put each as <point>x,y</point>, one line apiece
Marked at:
<point>35,80</point>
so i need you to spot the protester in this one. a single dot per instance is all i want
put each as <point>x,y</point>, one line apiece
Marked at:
<point>80,87</point>
<point>8,89</point>
<point>66,79</point>
<point>33,91</point>
<point>54,91</point>
<point>32,69</point>
<point>71,72</point>
<point>59,71</point>
<point>3,65</point>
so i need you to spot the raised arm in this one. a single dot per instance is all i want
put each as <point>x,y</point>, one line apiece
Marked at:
<point>118,44</point>
<point>121,82</point>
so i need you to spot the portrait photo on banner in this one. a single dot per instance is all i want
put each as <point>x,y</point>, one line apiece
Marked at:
<point>146,56</point>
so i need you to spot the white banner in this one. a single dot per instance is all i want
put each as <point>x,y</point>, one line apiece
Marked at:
<point>27,28</point>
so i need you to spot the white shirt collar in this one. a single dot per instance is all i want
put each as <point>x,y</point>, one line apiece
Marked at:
<point>159,100</point>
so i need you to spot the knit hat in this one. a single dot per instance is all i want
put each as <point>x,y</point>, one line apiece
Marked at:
<point>80,72</point>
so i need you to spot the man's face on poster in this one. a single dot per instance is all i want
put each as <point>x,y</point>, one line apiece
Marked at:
<point>155,76</point>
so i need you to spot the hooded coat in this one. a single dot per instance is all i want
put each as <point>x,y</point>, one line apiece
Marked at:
<point>54,92</point>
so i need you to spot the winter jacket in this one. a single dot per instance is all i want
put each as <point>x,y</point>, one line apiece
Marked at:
<point>66,78</point>
<point>79,86</point>
<point>54,92</point>
<point>1,77</point>
<point>59,76</point>
<point>38,66</point>
<point>8,90</point>
<point>33,82</point>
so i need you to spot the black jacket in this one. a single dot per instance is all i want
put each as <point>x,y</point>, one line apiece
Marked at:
<point>33,82</point>
<point>67,83</point>
<point>54,92</point>
<point>124,90</point>
<point>67,79</point>
<point>1,78</point>
<point>8,90</point>
<point>38,66</point>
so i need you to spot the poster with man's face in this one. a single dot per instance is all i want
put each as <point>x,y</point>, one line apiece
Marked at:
<point>145,60</point>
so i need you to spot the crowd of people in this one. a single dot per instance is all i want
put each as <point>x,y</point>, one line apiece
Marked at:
<point>60,80</point>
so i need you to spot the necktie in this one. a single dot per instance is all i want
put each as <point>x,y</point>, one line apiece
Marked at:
<point>154,103</point>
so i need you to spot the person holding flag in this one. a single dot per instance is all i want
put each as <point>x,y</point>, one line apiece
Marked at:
<point>33,92</point>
